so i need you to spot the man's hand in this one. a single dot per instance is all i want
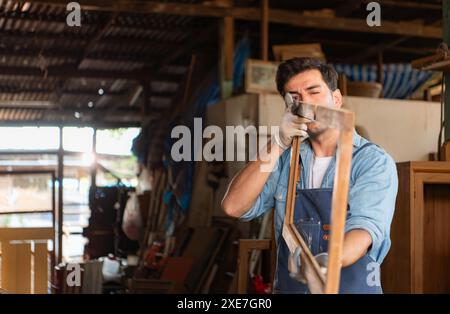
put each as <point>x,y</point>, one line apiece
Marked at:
<point>297,269</point>
<point>290,126</point>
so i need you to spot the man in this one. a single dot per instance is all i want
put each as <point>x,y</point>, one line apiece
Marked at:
<point>372,192</point>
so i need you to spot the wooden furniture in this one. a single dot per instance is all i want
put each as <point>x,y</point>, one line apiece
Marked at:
<point>344,121</point>
<point>419,258</point>
<point>246,246</point>
<point>445,152</point>
<point>25,259</point>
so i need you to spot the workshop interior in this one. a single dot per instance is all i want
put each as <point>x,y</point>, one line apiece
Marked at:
<point>126,157</point>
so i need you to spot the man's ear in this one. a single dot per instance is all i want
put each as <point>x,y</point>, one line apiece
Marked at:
<point>337,98</point>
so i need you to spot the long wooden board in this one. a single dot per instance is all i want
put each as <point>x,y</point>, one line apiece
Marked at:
<point>317,281</point>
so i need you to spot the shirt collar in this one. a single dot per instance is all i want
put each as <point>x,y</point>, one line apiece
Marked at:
<point>357,139</point>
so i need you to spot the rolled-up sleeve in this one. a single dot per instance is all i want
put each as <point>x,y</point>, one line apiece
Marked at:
<point>372,200</point>
<point>265,199</point>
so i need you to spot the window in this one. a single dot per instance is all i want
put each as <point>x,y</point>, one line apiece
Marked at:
<point>114,156</point>
<point>78,139</point>
<point>29,138</point>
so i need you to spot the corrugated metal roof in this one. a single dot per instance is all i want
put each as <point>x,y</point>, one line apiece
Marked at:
<point>43,59</point>
<point>35,37</point>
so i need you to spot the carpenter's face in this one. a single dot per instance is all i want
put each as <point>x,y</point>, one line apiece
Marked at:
<point>310,87</point>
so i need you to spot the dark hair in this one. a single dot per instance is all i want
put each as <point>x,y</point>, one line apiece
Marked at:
<point>294,66</point>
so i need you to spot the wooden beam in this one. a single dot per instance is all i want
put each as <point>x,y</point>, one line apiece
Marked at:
<point>379,48</point>
<point>104,55</point>
<point>226,44</point>
<point>70,72</point>
<point>283,37</point>
<point>77,123</point>
<point>66,72</point>
<point>13,91</point>
<point>254,14</point>
<point>265,30</point>
<point>446,39</point>
<point>229,47</point>
<point>354,25</point>
<point>17,234</point>
<point>374,50</point>
<point>411,5</point>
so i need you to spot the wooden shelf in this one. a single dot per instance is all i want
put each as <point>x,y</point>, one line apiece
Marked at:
<point>419,255</point>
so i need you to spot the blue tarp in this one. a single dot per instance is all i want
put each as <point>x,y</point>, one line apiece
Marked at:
<point>400,80</point>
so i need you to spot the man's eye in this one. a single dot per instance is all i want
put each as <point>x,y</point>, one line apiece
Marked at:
<point>315,92</point>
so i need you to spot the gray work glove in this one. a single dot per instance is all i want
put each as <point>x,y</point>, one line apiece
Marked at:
<point>299,271</point>
<point>290,126</point>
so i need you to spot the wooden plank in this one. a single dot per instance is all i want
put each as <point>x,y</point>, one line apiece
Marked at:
<point>9,266</point>
<point>290,233</point>
<point>7,234</point>
<point>339,210</point>
<point>40,268</point>
<point>23,268</point>
<point>412,5</point>
<point>342,120</point>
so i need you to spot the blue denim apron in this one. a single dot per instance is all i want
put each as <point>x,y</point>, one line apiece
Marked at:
<point>313,207</point>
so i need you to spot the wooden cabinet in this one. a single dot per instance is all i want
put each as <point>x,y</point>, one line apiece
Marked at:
<point>419,258</point>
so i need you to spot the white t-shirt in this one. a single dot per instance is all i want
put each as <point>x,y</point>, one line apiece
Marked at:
<point>317,171</point>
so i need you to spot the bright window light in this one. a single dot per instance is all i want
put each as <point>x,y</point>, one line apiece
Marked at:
<point>77,139</point>
<point>116,141</point>
<point>29,138</point>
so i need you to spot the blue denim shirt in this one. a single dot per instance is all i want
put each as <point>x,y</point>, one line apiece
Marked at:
<point>373,190</point>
